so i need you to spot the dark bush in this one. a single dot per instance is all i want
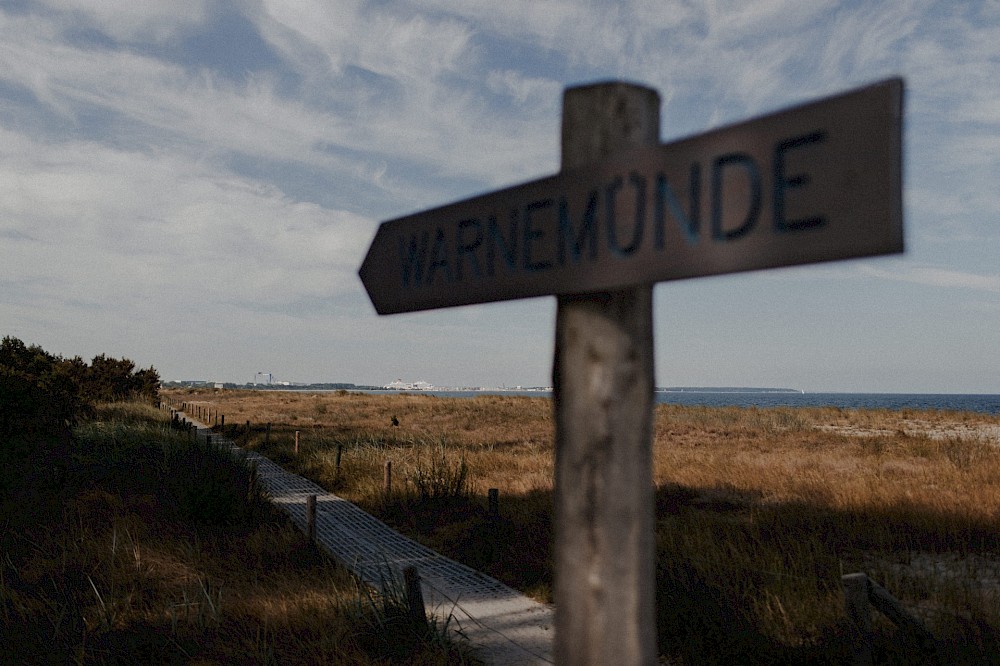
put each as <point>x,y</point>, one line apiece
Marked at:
<point>40,393</point>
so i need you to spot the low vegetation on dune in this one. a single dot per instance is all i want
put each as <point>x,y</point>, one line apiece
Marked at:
<point>759,511</point>
<point>145,547</point>
<point>124,542</point>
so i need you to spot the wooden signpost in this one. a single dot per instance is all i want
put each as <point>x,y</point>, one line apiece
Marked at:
<point>818,182</point>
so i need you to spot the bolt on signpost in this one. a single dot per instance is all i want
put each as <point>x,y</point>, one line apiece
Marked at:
<point>818,182</point>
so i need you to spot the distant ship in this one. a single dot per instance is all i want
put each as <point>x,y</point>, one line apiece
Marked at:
<point>400,385</point>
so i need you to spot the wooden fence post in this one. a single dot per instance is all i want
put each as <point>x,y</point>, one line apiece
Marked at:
<point>311,517</point>
<point>387,481</point>
<point>859,616</point>
<point>296,442</point>
<point>340,451</point>
<point>603,384</point>
<point>494,503</point>
<point>414,596</point>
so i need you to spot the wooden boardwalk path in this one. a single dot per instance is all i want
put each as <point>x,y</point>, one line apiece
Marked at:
<point>504,626</point>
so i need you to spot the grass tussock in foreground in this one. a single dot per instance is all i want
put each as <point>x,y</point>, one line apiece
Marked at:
<point>129,544</point>
<point>759,511</point>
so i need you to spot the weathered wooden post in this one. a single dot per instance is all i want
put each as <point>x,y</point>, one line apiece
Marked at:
<point>623,213</point>
<point>603,398</point>
<point>387,481</point>
<point>340,451</point>
<point>296,442</point>
<point>860,617</point>
<point>311,517</point>
<point>493,502</point>
<point>414,596</point>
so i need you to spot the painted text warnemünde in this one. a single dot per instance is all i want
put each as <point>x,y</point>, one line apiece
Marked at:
<point>818,182</point>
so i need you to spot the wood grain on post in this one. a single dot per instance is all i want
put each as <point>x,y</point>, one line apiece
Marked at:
<point>603,399</point>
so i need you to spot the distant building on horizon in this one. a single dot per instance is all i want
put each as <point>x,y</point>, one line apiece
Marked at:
<point>400,385</point>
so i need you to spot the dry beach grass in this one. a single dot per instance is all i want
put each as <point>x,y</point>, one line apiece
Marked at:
<point>129,544</point>
<point>759,511</point>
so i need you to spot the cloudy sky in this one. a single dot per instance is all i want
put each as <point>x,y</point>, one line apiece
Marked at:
<point>193,184</point>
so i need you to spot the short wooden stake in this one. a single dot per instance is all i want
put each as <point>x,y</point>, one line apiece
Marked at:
<point>388,478</point>
<point>340,451</point>
<point>859,616</point>
<point>222,421</point>
<point>311,517</point>
<point>494,502</point>
<point>296,442</point>
<point>415,596</point>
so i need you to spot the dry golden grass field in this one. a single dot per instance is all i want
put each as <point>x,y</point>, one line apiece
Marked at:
<point>759,511</point>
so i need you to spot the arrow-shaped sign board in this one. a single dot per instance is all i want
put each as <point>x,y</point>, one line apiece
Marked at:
<point>818,182</point>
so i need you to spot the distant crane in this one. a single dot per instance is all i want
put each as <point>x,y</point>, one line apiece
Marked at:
<point>262,374</point>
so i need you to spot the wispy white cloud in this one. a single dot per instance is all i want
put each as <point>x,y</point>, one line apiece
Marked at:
<point>150,20</point>
<point>105,223</point>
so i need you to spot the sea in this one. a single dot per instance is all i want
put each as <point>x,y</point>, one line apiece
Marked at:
<point>980,403</point>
